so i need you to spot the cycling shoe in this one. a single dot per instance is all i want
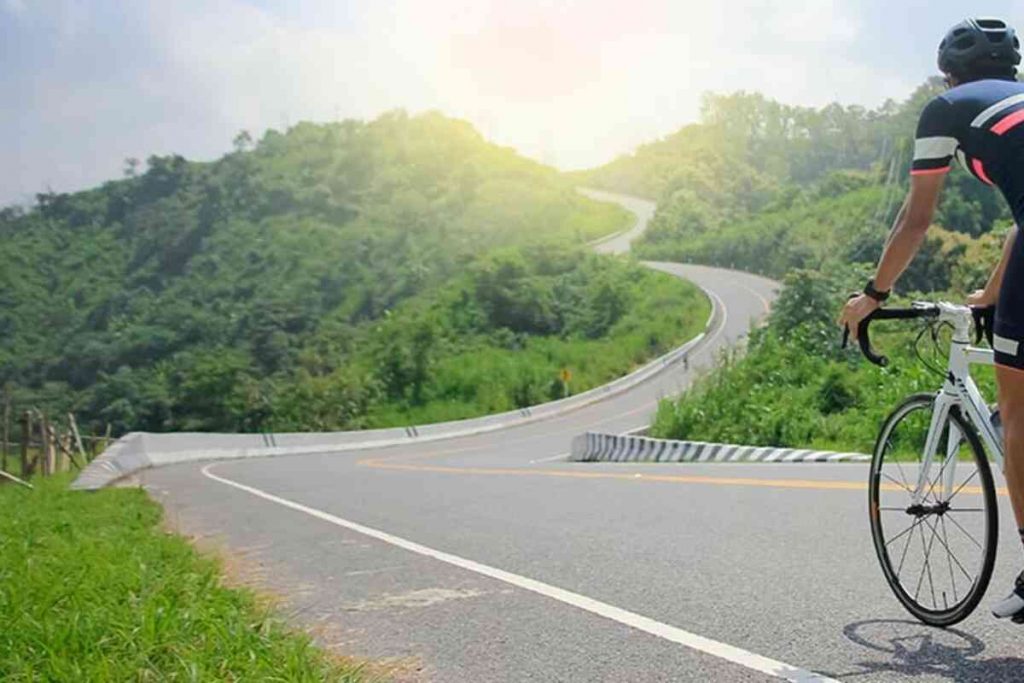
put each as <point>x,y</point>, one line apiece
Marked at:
<point>1012,605</point>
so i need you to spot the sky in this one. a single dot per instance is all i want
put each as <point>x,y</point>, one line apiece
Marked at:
<point>85,84</point>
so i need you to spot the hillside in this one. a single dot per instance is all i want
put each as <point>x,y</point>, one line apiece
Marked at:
<point>807,197</point>
<point>324,277</point>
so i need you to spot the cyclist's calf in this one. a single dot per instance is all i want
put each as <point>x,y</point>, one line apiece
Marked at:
<point>1011,409</point>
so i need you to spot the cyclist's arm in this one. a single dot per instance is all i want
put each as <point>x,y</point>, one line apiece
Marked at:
<point>909,229</point>
<point>904,240</point>
<point>934,147</point>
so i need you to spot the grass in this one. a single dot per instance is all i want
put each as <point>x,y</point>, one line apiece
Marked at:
<point>782,393</point>
<point>487,379</point>
<point>92,590</point>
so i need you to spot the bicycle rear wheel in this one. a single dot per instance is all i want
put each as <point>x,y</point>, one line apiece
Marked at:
<point>937,554</point>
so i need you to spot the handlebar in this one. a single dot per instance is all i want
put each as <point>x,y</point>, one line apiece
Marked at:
<point>983,325</point>
<point>863,338</point>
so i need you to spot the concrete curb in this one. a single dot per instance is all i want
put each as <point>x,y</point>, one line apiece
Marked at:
<point>598,447</point>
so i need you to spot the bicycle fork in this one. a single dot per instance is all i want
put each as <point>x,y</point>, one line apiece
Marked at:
<point>954,391</point>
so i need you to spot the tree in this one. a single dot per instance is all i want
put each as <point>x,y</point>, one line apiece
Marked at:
<point>242,141</point>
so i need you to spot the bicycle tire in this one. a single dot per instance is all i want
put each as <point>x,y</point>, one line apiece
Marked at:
<point>947,615</point>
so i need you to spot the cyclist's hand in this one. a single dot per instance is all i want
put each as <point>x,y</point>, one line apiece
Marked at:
<point>982,298</point>
<point>855,310</point>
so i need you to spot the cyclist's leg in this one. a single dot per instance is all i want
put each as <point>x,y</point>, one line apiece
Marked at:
<point>1011,410</point>
<point>1009,353</point>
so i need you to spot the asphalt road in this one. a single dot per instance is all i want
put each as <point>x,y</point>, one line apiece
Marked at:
<point>489,558</point>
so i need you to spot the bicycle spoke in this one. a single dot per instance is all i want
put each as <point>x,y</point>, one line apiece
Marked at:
<point>900,534</point>
<point>903,475</point>
<point>906,546</point>
<point>949,558</point>
<point>965,510</point>
<point>960,488</point>
<point>927,566</point>
<point>931,487</point>
<point>950,553</point>
<point>966,533</point>
<point>904,487</point>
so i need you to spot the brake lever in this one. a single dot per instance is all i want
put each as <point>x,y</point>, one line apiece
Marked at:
<point>984,323</point>
<point>846,328</point>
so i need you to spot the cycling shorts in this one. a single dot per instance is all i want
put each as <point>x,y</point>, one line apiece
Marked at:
<point>1009,327</point>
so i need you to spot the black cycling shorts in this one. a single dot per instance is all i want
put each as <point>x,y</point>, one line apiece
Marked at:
<point>1009,327</point>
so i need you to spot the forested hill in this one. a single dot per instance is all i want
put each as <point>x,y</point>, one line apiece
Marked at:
<point>772,187</point>
<point>258,291</point>
<point>806,196</point>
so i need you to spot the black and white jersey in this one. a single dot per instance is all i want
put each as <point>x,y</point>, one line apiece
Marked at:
<point>978,124</point>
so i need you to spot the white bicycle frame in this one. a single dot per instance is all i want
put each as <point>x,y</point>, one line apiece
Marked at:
<point>960,390</point>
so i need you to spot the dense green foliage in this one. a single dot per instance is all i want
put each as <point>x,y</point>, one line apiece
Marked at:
<point>806,196</point>
<point>92,590</point>
<point>516,321</point>
<point>794,387</point>
<point>769,187</point>
<point>335,276</point>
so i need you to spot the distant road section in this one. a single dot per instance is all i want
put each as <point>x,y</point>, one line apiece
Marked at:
<point>643,209</point>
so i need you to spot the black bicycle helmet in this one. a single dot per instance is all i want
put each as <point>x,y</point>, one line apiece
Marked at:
<point>979,47</point>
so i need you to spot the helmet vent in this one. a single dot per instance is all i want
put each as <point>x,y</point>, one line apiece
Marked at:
<point>963,43</point>
<point>992,23</point>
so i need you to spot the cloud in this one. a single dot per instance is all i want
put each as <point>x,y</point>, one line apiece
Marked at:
<point>571,83</point>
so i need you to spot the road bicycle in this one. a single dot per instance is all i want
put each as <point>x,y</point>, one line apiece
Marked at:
<point>931,497</point>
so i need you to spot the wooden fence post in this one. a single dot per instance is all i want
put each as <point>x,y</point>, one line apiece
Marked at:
<point>48,455</point>
<point>78,438</point>
<point>7,427</point>
<point>26,436</point>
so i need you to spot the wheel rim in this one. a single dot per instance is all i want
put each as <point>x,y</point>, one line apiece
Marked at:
<point>935,553</point>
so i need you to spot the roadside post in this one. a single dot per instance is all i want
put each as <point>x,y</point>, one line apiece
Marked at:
<point>566,376</point>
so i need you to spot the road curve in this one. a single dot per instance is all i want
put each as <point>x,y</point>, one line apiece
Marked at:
<point>490,558</point>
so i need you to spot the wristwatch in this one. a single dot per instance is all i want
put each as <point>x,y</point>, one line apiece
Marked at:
<point>870,290</point>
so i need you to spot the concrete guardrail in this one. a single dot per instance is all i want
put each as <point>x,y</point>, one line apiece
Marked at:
<point>598,447</point>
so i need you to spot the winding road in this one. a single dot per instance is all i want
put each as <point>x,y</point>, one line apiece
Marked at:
<point>491,558</point>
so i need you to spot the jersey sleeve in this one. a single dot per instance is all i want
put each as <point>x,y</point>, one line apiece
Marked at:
<point>934,143</point>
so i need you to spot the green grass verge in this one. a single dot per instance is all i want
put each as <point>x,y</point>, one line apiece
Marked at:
<point>92,590</point>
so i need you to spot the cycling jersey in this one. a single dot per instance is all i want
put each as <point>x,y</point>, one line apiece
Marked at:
<point>981,125</point>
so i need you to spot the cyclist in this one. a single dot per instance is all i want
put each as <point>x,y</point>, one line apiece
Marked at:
<point>979,120</point>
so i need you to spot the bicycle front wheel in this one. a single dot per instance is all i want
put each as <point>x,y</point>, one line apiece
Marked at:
<point>937,549</point>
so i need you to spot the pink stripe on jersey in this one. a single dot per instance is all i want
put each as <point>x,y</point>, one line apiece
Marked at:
<point>1007,122</point>
<point>930,171</point>
<point>979,170</point>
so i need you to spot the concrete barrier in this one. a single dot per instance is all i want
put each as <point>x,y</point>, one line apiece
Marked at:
<point>599,447</point>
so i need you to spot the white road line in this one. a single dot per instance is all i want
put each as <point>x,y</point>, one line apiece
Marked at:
<point>560,456</point>
<point>655,628</point>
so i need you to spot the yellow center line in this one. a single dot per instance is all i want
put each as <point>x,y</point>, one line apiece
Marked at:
<point>814,484</point>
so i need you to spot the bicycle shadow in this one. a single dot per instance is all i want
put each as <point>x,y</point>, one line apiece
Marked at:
<point>914,650</point>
